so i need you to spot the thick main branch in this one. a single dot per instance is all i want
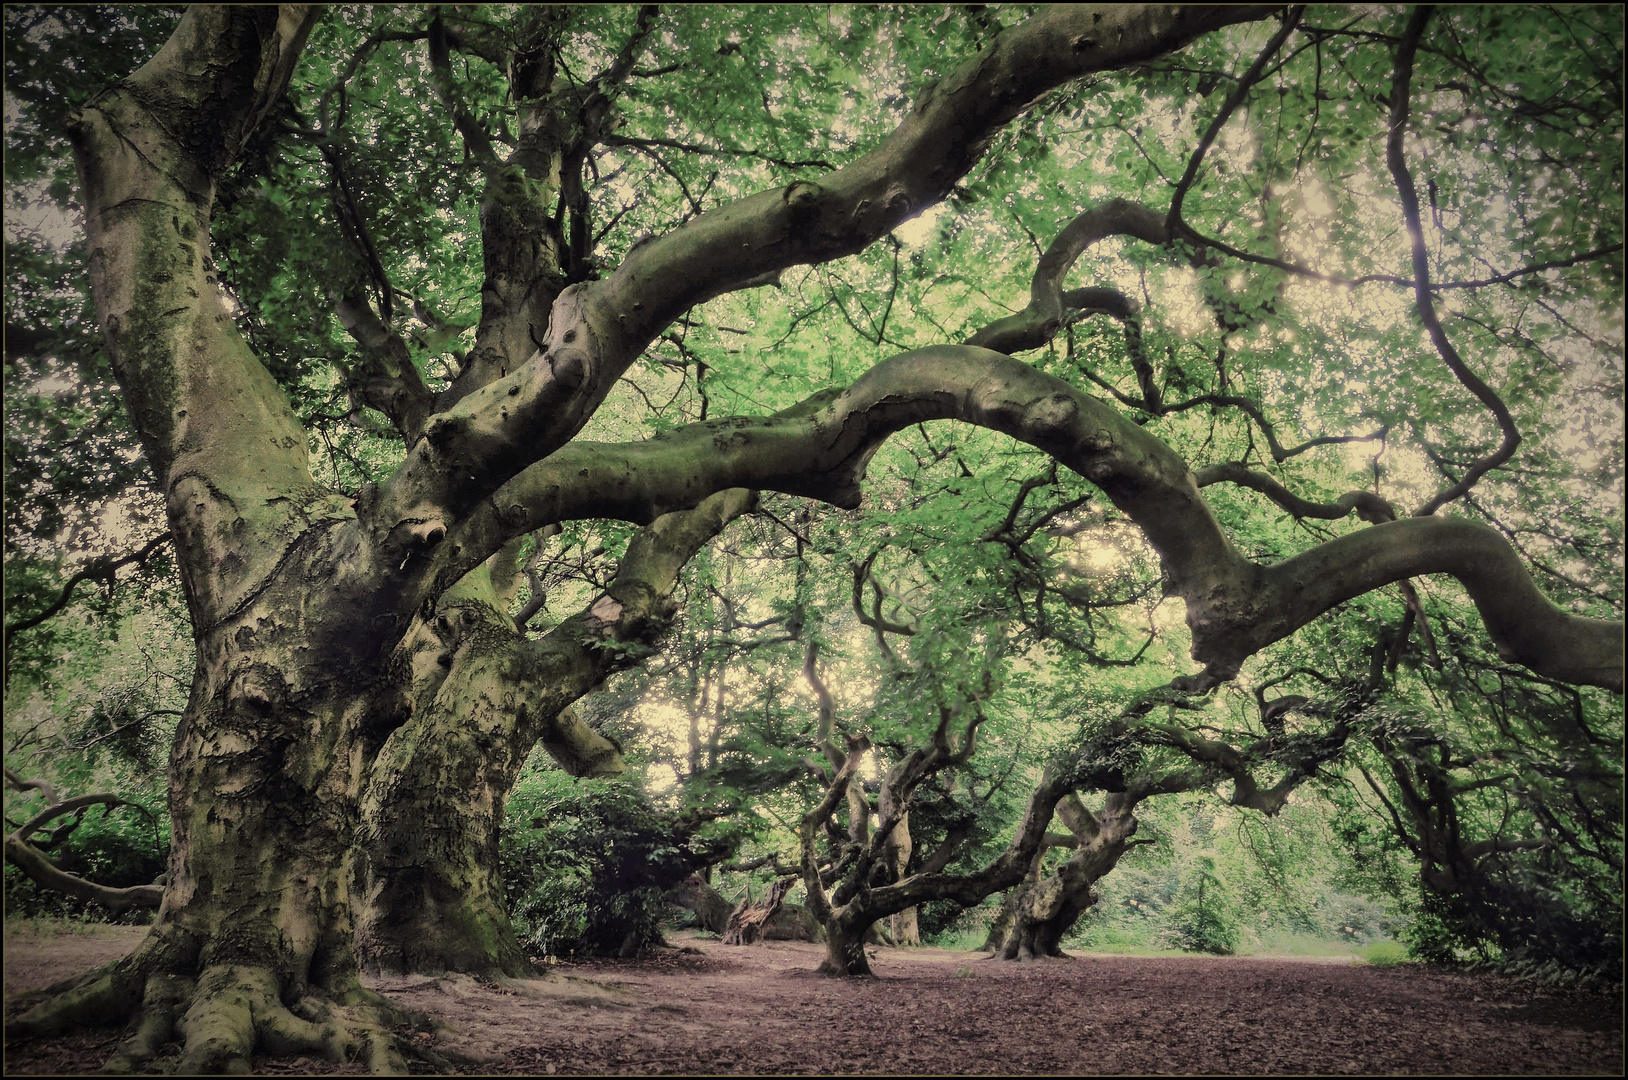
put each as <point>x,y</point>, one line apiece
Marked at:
<point>1234,607</point>
<point>598,328</point>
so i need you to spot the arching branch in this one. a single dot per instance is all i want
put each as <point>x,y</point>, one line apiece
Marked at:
<point>1234,607</point>
<point>1423,301</point>
<point>1039,322</point>
<point>43,872</point>
<point>1369,507</point>
<point>597,329</point>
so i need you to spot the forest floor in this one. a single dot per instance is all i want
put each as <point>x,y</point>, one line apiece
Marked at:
<point>762,1010</point>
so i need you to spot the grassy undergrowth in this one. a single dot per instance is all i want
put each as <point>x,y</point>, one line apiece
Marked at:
<point>45,926</point>
<point>1120,941</point>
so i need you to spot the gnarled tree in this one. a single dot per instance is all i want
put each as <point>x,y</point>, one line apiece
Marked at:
<point>325,591</point>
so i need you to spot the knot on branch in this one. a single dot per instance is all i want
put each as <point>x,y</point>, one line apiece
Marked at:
<point>444,430</point>
<point>1371,508</point>
<point>454,622</point>
<point>261,687</point>
<point>802,198</point>
<point>572,347</point>
<point>427,533</point>
<point>1053,413</point>
<point>605,612</point>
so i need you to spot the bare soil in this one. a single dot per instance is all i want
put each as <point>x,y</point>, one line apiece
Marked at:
<point>760,1009</point>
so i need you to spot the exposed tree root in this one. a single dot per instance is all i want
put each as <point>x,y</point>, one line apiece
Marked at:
<point>155,1025</point>
<point>102,996</point>
<point>227,1016</point>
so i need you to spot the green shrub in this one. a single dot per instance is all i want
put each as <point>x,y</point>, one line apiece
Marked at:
<point>1108,936</point>
<point>958,940</point>
<point>587,864</point>
<point>1204,918</point>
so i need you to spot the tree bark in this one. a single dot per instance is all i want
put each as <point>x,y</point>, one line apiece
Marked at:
<point>1046,910</point>
<point>711,910</point>
<point>897,848</point>
<point>845,947</point>
<point>311,724</point>
<point>749,920</point>
<point>253,940</point>
<point>482,697</point>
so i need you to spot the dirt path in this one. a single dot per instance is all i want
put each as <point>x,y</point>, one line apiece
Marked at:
<point>761,1010</point>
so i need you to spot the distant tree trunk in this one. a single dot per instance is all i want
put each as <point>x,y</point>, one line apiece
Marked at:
<point>1044,913</point>
<point>904,929</point>
<point>858,903</point>
<point>711,909</point>
<point>747,921</point>
<point>845,947</point>
<point>1047,909</point>
<point>1000,927</point>
<point>897,847</point>
<point>793,922</point>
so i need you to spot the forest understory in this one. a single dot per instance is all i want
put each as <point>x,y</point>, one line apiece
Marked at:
<point>704,1007</point>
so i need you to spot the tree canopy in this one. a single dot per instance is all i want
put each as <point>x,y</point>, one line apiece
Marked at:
<point>1020,413</point>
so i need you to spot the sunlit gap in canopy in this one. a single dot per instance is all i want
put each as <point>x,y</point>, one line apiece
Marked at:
<point>918,230</point>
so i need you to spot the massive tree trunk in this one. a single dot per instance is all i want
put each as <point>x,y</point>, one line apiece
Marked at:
<point>254,936</point>
<point>1000,926</point>
<point>845,945</point>
<point>432,898</point>
<point>482,697</point>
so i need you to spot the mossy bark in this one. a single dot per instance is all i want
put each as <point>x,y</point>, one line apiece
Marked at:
<point>845,948</point>
<point>300,597</point>
<point>1047,908</point>
<point>432,895</point>
<point>251,948</point>
<point>481,696</point>
<point>254,936</point>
